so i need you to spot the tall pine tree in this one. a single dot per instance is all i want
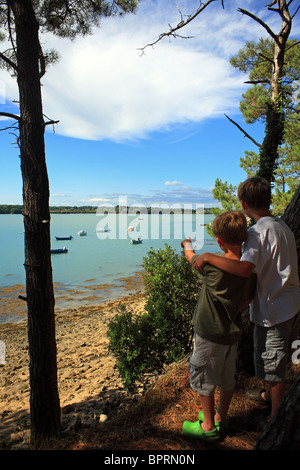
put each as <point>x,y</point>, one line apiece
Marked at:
<point>22,22</point>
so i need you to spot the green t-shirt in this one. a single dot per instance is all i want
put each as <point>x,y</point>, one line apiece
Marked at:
<point>217,315</point>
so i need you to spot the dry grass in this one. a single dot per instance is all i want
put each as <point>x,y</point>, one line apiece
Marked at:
<point>154,422</point>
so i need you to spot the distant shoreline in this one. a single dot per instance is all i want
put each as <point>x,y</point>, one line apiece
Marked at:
<point>18,209</point>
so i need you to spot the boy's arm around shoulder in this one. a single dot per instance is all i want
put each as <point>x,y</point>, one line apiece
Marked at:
<point>237,267</point>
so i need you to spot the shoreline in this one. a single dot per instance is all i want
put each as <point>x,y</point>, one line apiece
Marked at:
<point>90,388</point>
<point>13,310</point>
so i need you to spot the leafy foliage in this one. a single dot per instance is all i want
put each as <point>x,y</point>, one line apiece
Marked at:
<point>68,19</point>
<point>226,194</point>
<point>281,118</point>
<point>62,18</point>
<point>162,334</point>
<point>256,59</point>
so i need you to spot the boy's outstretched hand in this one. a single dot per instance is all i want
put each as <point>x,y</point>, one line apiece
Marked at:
<point>199,262</point>
<point>187,244</point>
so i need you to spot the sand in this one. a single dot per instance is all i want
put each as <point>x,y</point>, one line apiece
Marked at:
<point>90,388</point>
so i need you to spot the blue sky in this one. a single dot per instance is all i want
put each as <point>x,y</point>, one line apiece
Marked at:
<point>149,127</point>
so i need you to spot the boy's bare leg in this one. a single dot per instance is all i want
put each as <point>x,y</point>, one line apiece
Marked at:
<point>225,399</point>
<point>275,392</point>
<point>208,404</point>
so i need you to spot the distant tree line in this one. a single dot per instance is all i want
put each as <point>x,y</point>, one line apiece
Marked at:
<point>18,209</point>
<point>11,209</point>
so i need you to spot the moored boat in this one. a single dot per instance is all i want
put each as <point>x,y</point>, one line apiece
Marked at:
<point>59,250</point>
<point>81,233</point>
<point>64,238</point>
<point>137,241</point>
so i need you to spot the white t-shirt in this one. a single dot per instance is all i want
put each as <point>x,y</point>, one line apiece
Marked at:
<point>271,247</point>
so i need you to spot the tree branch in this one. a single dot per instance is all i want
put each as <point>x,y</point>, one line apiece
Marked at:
<point>296,12</point>
<point>48,123</point>
<point>10,115</point>
<point>181,24</point>
<point>255,82</point>
<point>244,132</point>
<point>42,62</point>
<point>266,58</point>
<point>9,62</point>
<point>261,22</point>
<point>292,45</point>
<point>8,128</point>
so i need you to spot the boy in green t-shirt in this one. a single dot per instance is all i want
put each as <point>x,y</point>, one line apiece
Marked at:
<point>271,253</point>
<point>217,322</point>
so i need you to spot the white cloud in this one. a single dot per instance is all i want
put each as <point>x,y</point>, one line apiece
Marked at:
<point>96,199</point>
<point>116,94</point>
<point>172,183</point>
<point>103,89</point>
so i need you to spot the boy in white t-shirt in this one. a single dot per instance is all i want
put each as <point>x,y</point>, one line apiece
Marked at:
<point>270,252</point>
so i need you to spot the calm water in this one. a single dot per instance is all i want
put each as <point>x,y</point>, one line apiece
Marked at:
<point>96,264</point>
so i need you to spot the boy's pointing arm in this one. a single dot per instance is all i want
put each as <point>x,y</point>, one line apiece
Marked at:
<point>188,249</point>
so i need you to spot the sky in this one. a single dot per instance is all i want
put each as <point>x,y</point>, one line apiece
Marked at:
<point>148,128</point>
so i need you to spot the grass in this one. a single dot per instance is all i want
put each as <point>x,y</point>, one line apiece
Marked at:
<point>154,422</point>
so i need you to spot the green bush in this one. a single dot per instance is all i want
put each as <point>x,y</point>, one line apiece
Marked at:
<point>162,334</point>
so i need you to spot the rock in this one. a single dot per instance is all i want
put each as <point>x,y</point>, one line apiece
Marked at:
<point>103,418</point>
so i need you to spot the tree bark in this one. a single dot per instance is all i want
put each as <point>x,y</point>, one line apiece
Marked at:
<point>283,431</point>
<point>291,217</point>
<point>44,399</point>
<point>275,117</point>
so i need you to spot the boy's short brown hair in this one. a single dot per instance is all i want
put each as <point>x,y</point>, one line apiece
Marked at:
<point>256,192</point>
<point>231,227</point>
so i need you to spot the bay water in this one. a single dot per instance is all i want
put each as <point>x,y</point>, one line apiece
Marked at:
<point>102,265</point>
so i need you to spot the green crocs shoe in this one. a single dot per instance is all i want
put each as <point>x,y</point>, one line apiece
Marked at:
<point>222,426</point>
<point>195,430</point>
<point>201,418</point>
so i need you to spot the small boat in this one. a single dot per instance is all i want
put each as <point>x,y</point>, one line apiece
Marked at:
<point>136,242</point>
<point>64,238</point>
<point>81,233</point>
<point>103,230</point>
<point>59,250</point>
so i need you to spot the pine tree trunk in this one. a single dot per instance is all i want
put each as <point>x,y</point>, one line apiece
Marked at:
<point>291,217</point>
<point>44,400</point>
<point>271,143</point>
<point>275,116</point>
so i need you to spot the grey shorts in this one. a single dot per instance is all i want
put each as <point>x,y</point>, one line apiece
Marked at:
<point>212,365</point>
<point>272,349</point>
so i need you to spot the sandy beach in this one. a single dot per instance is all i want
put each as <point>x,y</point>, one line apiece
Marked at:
<point>90,388</point>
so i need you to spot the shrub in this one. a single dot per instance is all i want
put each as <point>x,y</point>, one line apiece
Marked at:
<point>162,334</point>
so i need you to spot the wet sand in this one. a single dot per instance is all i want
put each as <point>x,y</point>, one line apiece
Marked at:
<point>90,388</point>
<point>12,309</point>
